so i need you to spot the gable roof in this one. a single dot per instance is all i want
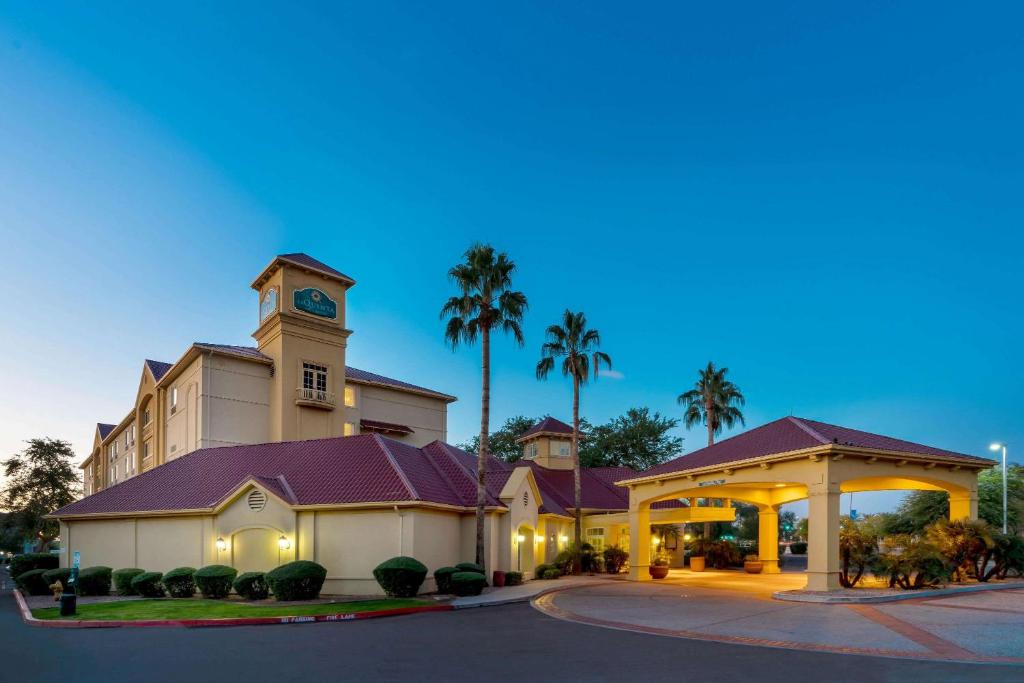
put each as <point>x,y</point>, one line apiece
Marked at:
<point>596,492</point>
<point>343,470</point>
<point>794,434</point>
<point>158,368</point>
<point>548,425</point>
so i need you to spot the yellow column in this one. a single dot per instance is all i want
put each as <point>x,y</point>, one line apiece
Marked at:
<point>963,505</point>
<point>823,539</point>
<point>639,543</point>
<point>768,538</point>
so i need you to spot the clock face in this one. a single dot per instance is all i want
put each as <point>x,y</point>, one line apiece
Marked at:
<point>268,306</point>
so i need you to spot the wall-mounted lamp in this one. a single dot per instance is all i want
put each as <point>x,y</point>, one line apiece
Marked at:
<point>655,540</point>
<point>563,538</point>
<point>520,538</point>
<point>222,545</point>
<point>687,537</point>
<point>283,543</point>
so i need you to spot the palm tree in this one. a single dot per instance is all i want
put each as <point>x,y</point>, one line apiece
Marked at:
<point>576,346</point>
<point>714,401</point>
<point>485,302</point>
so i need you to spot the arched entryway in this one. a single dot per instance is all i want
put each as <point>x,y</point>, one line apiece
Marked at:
<point>255,549</point>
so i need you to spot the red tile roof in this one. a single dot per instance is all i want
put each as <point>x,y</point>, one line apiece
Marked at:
<point>792,434</point>
<point>158,368</point>
<point>547,425</point>
<point>307,261</point>
<point>362,376</point>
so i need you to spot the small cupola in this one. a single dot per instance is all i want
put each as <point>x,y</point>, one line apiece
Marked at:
<point>549,444</point>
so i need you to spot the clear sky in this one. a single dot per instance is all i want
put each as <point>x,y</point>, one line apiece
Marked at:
<point>827,200</point>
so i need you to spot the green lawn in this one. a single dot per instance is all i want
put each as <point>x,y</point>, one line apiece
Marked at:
<point>215,609</point>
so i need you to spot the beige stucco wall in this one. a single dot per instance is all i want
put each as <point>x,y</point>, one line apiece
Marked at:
<point>183,426</point>
<point>236,402</point>
<point>428,417</point>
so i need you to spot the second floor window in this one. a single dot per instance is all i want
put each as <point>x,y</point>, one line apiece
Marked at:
<point>174,398</point>
<point>350,397</point>
<point>145,417</point>
<point>314,377</point>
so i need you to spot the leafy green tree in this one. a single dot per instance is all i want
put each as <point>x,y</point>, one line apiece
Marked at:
<point>921,508</point>
<point>486,302</point>
<point>577,346</point>
<point>637,439</point>
<point>502,442</point>
<point>39,480</point>
<point>714,402</point>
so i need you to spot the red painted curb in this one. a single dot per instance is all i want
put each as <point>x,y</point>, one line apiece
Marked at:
<point>26,616</point>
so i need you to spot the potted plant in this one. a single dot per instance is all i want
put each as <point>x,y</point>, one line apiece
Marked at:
<point>752,564</point>
<point>697,553</point>
<point>659,567</point>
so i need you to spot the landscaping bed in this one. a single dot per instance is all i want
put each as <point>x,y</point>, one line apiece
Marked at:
<point>188,610</point>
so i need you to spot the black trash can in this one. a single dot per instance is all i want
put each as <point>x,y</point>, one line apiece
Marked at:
<point>68,603</point>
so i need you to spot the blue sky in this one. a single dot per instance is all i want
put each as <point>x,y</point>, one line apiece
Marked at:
<point>825,199</point>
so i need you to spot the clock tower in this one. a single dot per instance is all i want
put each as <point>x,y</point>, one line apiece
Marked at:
<point>302,329</point>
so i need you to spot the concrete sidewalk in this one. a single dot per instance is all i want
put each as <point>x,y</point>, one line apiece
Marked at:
<point>529,590</point>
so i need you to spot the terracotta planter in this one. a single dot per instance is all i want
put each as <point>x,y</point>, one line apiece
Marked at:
<point>696,564</point>
<point>753,567</point>
<point>657,571</point>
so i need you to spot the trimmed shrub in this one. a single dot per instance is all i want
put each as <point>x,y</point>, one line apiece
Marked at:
<point>51,576</point>
<point>798,548</point>
<point>180,582</point>
<point>539,570</point>
<point>400,577</point>
<point>563,561</point>
<point>443,577</point>
<point>513,578</point>
<point>123,580</point>
<point>94,581</point>
<point>299,580</point>
<point>149,585</point>
<point>214,580</point>
<point>29,561</point>
<point>252,586</point>
<point>470,567</point>
<point>552,573</point>
<point>32,582</point>
<point>468,583</point>
<point>614,559</point>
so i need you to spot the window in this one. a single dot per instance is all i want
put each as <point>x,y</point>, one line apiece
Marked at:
<point>145,450</point>
<point>174,399</point>
<point>350,397</point>
<point>531,450</point>
<point>560,448</point>
<point>350,428</point>
<point>595,537</point>
<point>314,377</point>
<point>145,416</point>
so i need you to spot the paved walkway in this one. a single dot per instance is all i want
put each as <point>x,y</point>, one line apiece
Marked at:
<point>527,591</point>
<point>736,608</point>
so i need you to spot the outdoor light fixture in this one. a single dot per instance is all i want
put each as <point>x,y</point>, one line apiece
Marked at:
<point>283,543</point>
<point>687,537</point>
<point>779,486</point>
<point>222,545</point>
<point>1002,447</point>
<point>655,540</point>
<point>563,538</point>
<point>520,538</point>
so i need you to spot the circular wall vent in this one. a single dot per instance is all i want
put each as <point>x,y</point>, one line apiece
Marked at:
<point>257,500</point>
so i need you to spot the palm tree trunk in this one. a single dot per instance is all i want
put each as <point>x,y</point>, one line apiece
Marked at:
<point>709,419</point>
<point>577,490</point>
<point>481,463</point>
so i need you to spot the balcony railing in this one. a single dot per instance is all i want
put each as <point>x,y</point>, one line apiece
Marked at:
<point>314,398</point>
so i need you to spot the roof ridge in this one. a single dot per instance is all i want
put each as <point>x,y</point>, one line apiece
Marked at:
<point>287,488</point>
<point>799,422</point>
<point>398,468</point>
<point>447,480</point>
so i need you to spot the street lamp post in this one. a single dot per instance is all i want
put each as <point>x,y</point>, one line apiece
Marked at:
<point>1002,447</point>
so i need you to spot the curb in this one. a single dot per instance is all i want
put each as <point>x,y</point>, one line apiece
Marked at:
<point>816,598</point>
<point>26,616</point>
<point>511,601</point>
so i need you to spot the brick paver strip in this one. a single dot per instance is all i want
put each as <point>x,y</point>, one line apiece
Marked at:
<point>918,635</point>
<point>943,650</point>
